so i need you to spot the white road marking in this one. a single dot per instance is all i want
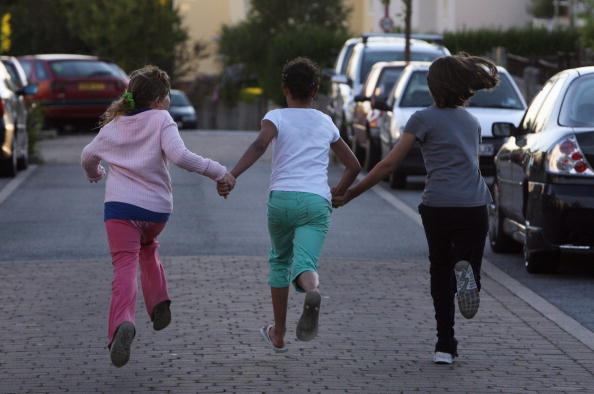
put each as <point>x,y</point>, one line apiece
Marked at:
<point>15,183</point>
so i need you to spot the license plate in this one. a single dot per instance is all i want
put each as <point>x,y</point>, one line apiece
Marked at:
<point>486,150</point>
<point>91,86</point>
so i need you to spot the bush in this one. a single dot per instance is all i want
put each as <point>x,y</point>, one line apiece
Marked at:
<point>528,42</point>
<point>34,124</point>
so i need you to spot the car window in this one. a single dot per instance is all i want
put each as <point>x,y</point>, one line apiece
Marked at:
<point>179,100</point>
<point>345,60</point>
<point>372,57</point>
<point>40,71</point>
<point>26,67</point>
<point>370,83</point>
<point>503,96</point>
<point>82,68</point>
<point>577,109</point>
<point>351,68</point>
<point>548,105</point>
<point>386,81</point>
<point>416,93</point>
<point>529,120</point>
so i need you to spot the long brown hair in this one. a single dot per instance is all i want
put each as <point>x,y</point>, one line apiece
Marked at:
<point>146,86</point>
<point>453,80</point>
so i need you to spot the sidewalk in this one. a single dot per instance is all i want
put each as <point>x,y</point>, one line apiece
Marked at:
<point>376,334</point>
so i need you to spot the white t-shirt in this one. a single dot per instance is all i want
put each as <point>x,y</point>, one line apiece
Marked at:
<point>300,152</point>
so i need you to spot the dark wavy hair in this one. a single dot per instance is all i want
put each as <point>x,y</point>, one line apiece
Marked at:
<point>453,80</point>
<point>302,77</point>
<point>147,85</point>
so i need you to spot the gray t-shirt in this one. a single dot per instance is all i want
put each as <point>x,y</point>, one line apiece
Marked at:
<point>449,139</point>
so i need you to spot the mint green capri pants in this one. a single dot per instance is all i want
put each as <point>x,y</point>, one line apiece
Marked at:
<point>297,224</point>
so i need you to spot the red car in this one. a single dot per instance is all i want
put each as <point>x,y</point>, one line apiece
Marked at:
<point>73,89</point>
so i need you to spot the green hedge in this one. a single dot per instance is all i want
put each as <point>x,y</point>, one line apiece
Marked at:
<point>522,42</point>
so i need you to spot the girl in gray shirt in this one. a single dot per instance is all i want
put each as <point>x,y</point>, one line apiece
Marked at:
<point>454,204</point>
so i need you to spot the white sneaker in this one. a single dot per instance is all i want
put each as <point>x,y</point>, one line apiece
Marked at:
<point>443,358</point>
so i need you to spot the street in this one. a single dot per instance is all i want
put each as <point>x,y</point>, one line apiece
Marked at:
<point>378,332</point>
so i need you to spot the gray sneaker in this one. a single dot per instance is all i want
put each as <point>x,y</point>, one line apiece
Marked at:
<point>466,289</point>
<point>122,341</point>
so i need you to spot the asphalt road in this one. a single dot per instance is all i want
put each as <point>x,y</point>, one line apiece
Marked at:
<point>57,215</point>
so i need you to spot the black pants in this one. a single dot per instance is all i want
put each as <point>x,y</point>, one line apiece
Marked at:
<point>453,234</point>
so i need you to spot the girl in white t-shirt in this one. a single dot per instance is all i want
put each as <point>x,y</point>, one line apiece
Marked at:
<point>299,204</point>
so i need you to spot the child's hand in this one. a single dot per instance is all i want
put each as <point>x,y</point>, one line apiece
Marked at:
<point>99,176</point>
<point>225,185</point>
<point>339,201</point>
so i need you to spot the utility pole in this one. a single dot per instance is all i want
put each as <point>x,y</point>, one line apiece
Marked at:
<point>407,22</point>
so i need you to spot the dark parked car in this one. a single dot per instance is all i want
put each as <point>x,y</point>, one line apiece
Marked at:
<point>544,183</point>
<point>73,89</point>
<point>13,117</point>
<point>182,111</point>
<point>378,85</point>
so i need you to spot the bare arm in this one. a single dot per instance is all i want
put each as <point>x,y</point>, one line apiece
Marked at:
<point>351,164</point>
<point>381,170</point>
<point>256,149</point>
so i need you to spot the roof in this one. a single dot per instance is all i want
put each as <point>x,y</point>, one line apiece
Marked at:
<point>60,56</point>
<point>400,43</point>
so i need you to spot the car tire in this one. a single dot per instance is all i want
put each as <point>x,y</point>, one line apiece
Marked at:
<point>23,160</point>
<point>541,262</point>
<point>499,241</point>
<point>373,153</point>
<point>9,166</point>
<point>397,180</point>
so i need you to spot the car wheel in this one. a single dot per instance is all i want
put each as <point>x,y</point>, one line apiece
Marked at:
<point>541,262</point>
<point>397,180</point>
<point>23,160</point>
<point>373,153</point>
<point>8,166</point>
<point>499,241</point>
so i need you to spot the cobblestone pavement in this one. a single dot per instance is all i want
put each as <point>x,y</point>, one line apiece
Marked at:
<point>376,334</point>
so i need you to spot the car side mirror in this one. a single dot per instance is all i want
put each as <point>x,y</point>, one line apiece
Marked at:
<point>360,97</point>
<point>503,129</point>
<point>340,78</point>
<point>28,90</point>
<point>381,105</point>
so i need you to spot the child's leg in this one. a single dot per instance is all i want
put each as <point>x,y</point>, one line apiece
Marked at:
<point>443,281</point>
<point>279,259</point>
<point>469,236</point>
<point>152,274</point>
<point>124,244</point>
<point>307,247</point>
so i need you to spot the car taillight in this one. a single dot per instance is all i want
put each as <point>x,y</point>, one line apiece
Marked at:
<point>566,158</point>
<point>1,108</point>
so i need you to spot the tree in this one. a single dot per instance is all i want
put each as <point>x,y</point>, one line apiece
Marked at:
<point>542,8</point>
<point>130,32</point>
<point>277,31</point>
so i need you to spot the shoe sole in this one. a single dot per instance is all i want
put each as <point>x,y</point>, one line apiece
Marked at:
<point>161,316</point>
<point>466,289</point>
<point>307,327</point>
<point>122,342</point>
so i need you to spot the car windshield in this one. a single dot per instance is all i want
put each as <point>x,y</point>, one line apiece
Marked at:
<point>372,57</point>
<point>577,109</point>
<point>179,100</point>
<point>386,81</point>
<point>503,96</point>
<point>82,68</point>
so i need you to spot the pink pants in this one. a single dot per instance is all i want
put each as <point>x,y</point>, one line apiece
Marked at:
<point>132,243</point>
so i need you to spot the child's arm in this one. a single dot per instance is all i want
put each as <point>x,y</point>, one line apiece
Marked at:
<point>380,171</point>
<point>351,164</point>
<point>256,149</point>
<point>175,150</point>
<point>91,163</point>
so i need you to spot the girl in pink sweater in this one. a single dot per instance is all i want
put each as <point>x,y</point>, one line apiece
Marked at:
<point>137,138</point>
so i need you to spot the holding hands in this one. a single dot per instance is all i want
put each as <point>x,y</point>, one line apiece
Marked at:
<point>338,200</point>
<point>225,185</point>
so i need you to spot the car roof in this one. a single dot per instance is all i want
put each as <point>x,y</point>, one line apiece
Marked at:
<point>176,91</point>
<point>60,56</point>
<point>584,70</point>
<point>397,42</point>
<point>424,66</point>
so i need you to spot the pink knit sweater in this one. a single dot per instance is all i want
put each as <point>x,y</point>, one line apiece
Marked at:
<point>137,149</point>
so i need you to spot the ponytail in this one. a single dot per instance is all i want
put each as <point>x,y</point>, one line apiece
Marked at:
<point>453,80</point>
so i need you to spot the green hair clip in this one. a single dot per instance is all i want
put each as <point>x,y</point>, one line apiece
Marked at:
<point>128,96</point>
